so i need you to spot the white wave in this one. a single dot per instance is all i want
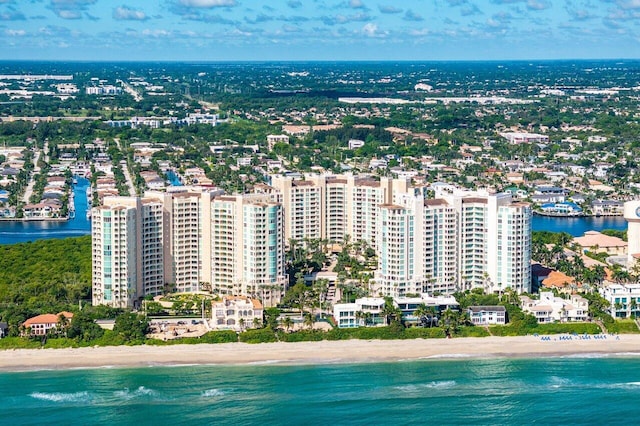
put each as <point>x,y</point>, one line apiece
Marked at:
<point>445,356</point>
<point>140,392</point>
<point>212,393</point>
<point>558,382</point>
<point>61,396</point>
<point>586,355</point>
<point>628,385</point>
<point>267,361</point>
<point>443,384</point>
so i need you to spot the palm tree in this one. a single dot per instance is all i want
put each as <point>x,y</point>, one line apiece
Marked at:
<point>618,307</point>
<point>257,323</point>
<point>450,322</point>
<point>422,312</point>
<point>390,312</point>
<point>287,323</point>
<point>241,323</point>
<point>63,325</point>
<point>309,320</point>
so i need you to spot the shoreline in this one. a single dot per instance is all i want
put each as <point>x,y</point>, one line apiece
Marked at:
<point>316,353</point>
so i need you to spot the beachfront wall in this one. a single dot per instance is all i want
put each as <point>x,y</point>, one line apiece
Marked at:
<point>624,299</point>
<point>556,309</point>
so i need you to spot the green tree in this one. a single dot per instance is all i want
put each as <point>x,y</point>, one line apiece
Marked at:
<point>83,328</point>
<point>132,327</point>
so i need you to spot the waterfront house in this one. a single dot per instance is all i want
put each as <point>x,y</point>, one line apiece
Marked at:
<point>624,299</point>
<point>41,210</point>
<point>41,324</point>
<point>556,309</point>
<point>607,207</point>
<point>235,313</point>
<point>439,304</point>
<point>565,208</point>
<point>487,315</point>
<point>366,311</point>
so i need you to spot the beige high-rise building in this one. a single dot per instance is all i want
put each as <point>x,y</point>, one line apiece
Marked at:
<point>127,250</point>
<point>188,240</point>
<point>247,247</point>
<point>331,207</point>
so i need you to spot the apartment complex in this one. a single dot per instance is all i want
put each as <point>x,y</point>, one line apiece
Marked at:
<point>330,207</point>
<point>194,239</point>
<point>185,240</point>
<point>455,241</point>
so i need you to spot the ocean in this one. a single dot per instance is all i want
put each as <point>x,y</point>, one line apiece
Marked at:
<point>564,390</point>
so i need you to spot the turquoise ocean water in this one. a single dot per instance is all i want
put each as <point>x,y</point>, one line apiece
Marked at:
<point>568,390</point>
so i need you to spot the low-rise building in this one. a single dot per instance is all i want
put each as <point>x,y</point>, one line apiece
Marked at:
<point>624,299</point>
<point>549,308</point>
<point>487,315</point>
<point>235,313</point>
<point>597,242</point>
<point>41,324</point>
<point>409,305</point>
<point>366,311</point>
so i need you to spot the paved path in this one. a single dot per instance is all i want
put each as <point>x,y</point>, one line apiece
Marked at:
<point>36,169</point>
<point>125,170</point>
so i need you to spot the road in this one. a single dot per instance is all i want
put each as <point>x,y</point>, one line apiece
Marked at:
<point>36,169</point>
<point>125,170</point>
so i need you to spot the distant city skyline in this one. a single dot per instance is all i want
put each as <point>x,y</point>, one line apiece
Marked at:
<point>230,30</point>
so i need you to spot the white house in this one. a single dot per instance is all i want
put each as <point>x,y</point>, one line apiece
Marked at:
<point>552,309</point>
<point>363,312</point>
<point>355,143</point>
<point>624,299</point>
<point>367,311</point>
<point>487,315</point>
<point>235,313</point>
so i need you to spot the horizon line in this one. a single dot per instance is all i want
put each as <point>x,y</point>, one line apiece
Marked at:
<point>195,61</point>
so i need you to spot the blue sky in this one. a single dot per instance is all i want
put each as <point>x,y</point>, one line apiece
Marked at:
<point>319,29</point>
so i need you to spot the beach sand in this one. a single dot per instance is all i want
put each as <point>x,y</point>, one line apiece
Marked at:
<point>324,352</point>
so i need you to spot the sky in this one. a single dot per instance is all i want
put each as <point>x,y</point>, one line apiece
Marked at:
<point>246,30</point>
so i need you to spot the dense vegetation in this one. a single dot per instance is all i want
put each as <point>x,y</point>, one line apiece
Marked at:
<point>45,276</point>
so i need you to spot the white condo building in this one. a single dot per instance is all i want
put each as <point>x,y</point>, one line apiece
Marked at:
<point>456,241</point>
<point>189,239</point>
<point>460,241</point>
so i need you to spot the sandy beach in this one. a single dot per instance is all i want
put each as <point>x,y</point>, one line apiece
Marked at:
<point>324,352</point>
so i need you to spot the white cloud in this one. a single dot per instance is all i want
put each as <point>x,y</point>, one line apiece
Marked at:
<point>125,13</point>
<point>371,30</point>
<point>15,33</point>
